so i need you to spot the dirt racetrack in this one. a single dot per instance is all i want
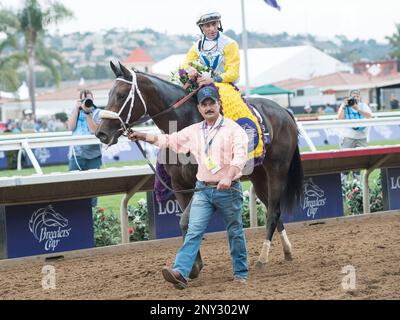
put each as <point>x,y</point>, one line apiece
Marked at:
<point>371,244</point>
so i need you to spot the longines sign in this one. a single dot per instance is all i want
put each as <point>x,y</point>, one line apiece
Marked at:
<point>391,188</point>
<point>164,218</point>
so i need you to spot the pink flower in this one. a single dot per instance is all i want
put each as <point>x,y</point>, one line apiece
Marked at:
<point>104,218</point>
<point>131,231</point>
<point>349,196</point>
<point>355,190</point>
<point>100,210</point>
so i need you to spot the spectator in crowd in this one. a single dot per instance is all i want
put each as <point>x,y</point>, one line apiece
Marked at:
<point>308,109</point>
<point>15,127</point>
<point>28,124</point>
<point>61,126</point>
<point>39,126</point>
<point>321,110</point>
<point>9,127</point>
<point>51,124</point>
<point>329,108</point>
<point>353,109</point>
<point>84,120</point>
<point>18,125</point>
<point>55,124</point>
<point>9,121</point>
<point>394,103</point>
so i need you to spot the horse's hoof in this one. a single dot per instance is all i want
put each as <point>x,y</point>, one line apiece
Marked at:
<point>288,256</point>
<point>195,271</point>
<point>261,266</point>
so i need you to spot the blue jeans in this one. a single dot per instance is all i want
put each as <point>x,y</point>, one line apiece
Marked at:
<point>204,204</point>
<point>85,164</point>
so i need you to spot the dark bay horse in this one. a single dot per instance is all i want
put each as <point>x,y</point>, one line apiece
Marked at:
<point>278,182</point>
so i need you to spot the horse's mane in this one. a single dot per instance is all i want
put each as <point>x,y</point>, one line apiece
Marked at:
<point>171,93</point>
<point>158,79</point>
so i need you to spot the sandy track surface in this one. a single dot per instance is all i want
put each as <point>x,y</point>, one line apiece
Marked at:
<point>370,244</point>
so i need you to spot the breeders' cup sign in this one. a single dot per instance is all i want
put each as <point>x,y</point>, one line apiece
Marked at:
<point>164,217</point>
<point>42,154</point>
<point>48,227</point>
<point>314,198</point>
<point>322,198</point>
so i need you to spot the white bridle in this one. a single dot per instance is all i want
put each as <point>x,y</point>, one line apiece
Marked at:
<point>107,114</point>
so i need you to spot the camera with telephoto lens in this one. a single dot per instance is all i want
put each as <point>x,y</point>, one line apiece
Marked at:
<point>351,101</point>
<point>87,102</point>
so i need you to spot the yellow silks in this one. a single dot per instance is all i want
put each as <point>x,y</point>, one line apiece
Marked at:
<point>234,108</point>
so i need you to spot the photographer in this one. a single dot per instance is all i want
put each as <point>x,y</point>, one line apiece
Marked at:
<point>84,120</point>
<point>353,109</point>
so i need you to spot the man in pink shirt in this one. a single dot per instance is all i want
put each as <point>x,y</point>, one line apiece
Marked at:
<point>220,148</point>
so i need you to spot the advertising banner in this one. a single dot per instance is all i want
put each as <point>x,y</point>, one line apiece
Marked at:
<point>322,199</point>
<point>44,228</point>
<point>391,188</point>
<point>164,218</point>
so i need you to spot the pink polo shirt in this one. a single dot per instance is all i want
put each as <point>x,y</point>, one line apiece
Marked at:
<point>228,148</point>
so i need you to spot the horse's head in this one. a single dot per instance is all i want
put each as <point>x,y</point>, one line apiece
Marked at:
<point>126,104</point>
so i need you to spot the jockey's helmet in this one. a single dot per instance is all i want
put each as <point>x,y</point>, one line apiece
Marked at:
<point>209,17</point>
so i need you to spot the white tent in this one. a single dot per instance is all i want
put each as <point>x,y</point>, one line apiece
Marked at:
<point>268,65</point>
<point>23,92</point>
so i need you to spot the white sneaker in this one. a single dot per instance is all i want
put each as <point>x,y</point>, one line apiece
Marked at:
<point>239,279</point>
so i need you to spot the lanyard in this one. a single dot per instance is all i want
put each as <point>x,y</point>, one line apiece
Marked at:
<point>208,144</point>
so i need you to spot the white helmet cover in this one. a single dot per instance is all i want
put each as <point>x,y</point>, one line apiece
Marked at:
<point>208,17</point>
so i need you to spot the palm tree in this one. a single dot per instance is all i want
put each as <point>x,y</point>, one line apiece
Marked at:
<point>394,40</point>
<point>33,21</point>
<point>9,61</point>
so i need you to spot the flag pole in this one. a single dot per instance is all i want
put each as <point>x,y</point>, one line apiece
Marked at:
<point>244,45</point>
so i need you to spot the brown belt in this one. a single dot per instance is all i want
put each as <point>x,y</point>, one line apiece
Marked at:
<point>216,183</point>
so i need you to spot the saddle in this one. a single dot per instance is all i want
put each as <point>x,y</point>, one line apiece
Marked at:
<point>265,125</point>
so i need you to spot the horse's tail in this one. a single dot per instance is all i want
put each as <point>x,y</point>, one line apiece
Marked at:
<point>293,192</point>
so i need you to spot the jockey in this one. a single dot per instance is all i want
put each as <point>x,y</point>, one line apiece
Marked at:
<point>214,50</point>
<point>220,54</point>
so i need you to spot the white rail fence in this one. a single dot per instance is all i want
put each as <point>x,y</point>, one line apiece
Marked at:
<point>337,124</point>
<point>28,142</point>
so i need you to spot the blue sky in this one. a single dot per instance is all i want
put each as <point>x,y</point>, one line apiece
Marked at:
<point>353,18</point>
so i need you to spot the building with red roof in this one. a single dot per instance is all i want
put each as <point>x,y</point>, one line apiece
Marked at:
<point>140,60</point>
